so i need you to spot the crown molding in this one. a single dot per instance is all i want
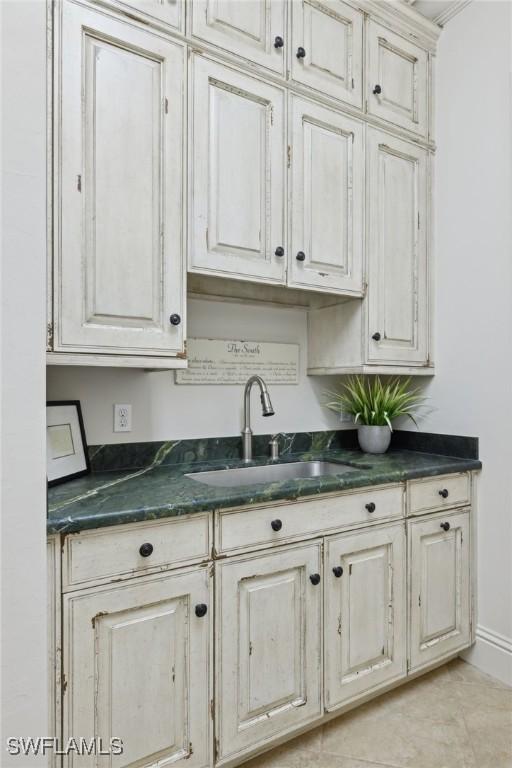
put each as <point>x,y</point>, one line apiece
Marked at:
<point>445,16</point>
<point>401,17</point>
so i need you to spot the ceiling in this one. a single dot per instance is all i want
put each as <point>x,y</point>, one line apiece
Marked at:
<point>438,11</point>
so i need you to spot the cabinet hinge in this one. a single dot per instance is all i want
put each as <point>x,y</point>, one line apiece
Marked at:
<point>79,182</point>
<point>353,84</point>
<point>271,115</point>
<point>49,336</point>
<point>419,601</point>
<point>63,684</point>
<point>166,106</point>
<point>350,570</point>
<point>216,749</point>
<point>212,709</point>
<point>289,156</point>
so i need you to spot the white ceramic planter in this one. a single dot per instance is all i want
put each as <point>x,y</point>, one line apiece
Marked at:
<point>374,439</point>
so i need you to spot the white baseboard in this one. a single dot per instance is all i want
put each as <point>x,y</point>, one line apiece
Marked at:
<point>492,654</point>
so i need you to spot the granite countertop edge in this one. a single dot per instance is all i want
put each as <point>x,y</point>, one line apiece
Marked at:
<point>106,499</point>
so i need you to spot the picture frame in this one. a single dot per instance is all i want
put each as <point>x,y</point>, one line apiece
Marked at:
<point>67,456</point>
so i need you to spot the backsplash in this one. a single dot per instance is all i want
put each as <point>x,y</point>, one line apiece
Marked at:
<point>120,456</point>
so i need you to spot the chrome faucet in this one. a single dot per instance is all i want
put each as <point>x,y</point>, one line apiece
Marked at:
<point>266,407</point>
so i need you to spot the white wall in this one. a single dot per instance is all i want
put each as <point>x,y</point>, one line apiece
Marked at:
<point>162,410</point>
<point>22,414</point>
<point>472,391</point>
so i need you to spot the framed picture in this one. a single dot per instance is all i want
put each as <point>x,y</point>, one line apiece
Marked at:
<point>66,447</point>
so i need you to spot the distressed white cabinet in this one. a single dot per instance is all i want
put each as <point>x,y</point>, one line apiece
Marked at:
<point>269,650</point>
<point>137,667</point>
<point>237,189</point>
<point>439,548</point>
<point>327,199</point>
<point>166,13</point>
<point>397,80</point>
<point>397,304</point>
<point>253,29</point>
<point>365,612</point>
<point>327,43</point>
<point>118,280</point>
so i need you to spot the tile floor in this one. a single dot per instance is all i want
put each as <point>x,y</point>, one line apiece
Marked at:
<point>453,717</point>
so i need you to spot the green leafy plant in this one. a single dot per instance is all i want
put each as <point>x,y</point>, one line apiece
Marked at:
<point>375,403</point>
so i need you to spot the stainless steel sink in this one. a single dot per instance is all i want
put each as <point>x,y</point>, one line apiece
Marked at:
<point>271,473</point>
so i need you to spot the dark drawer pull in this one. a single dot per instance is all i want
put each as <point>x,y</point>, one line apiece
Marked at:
<point>338,571</point>
<point>445,526</point>
<point>146,550</point>
<point>444,493</point>
<point>315,579</point>
<point>276,525</point>
<point>370,507</point>
<point>201,609</point>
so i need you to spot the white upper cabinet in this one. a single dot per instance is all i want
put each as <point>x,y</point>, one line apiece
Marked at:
<point>327,48</point>
<point>397,184</point>
<point>237,188</point>
<point>252,29</point>
<point>327,199</point>
<point>167,12</point>
<point>365,612</point>
<point>440,586</point>
<point>397,79</point>
<point>269,650</point>
<point>137,664</point>
<point>119,266</point>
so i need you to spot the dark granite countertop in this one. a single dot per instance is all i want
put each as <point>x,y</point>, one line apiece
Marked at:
<point>157,491</point>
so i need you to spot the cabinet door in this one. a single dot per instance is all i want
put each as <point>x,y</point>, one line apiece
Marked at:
<point>119,271</point>
<point>250,29</point>
<point>397,88</point>
<point>365,609</point>
<point>268,625</point>
<point>137,668</point>
<point>397,188</point>
<point>238,175</point>
<point>329,35</point>
<point>170,12</point>
<point>440,586</point>
<point>327,193</point>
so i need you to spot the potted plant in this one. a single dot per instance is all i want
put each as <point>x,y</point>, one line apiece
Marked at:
<point>374,406</point>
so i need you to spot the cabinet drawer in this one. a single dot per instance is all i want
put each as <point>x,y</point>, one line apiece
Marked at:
<point>114,553</point>
<point>438,493</point>
<point>246,528</point>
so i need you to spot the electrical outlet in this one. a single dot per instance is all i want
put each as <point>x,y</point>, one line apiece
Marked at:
<point>122,417</point>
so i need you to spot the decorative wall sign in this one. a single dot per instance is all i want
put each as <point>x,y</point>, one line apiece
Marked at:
<point>215,361</point>
<point>66,447</point>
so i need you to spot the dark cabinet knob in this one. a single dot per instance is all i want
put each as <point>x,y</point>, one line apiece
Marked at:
<point>376,336</point>
<point>276,525</point>
<point>445,526</point>
<point>201,610</point>
<point>146,550</point>
<point>279,250</point>
<point>370,507</point>
<point>175,319</point>
<point>444,493</point>
<point>301,53</point>
<point>338,571</point>
<point>377,90</point>
<point>278,42</point>
<point>315,579</point>
<point>301,256</point>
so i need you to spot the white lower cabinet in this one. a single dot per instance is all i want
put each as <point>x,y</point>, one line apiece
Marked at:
<point>351,599</point>
<point>137,666</point>
<point>365,612</point>
<point>269,646</point>
<point>439,572</point>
